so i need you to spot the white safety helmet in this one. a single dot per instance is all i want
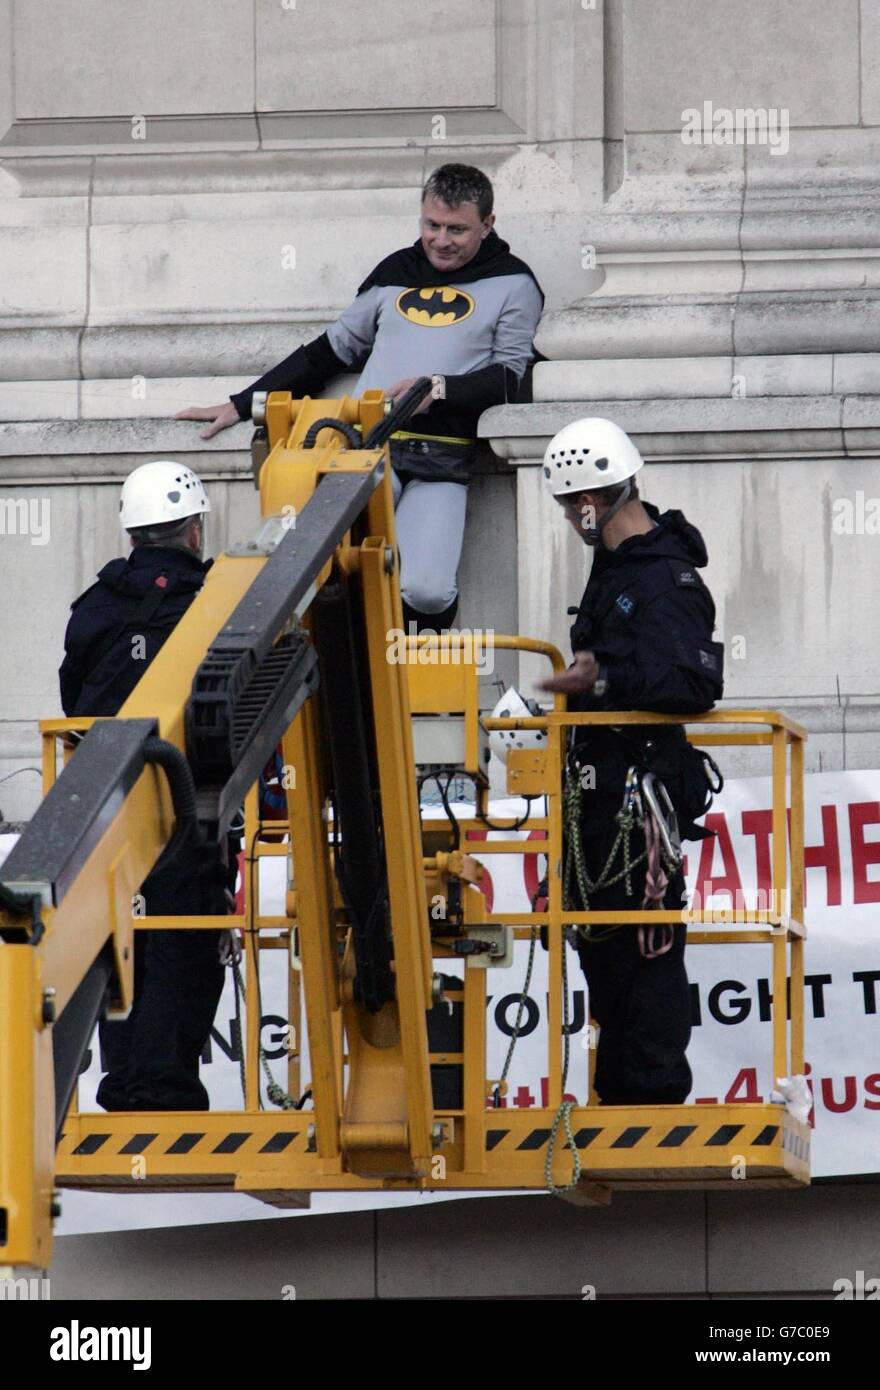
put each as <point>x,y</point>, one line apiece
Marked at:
<point>513,706</point>
<point>589,454</point>
<point>161,492</point>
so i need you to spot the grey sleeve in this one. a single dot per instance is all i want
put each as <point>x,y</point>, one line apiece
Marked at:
<point>517,325</point>
<point>351,336</point>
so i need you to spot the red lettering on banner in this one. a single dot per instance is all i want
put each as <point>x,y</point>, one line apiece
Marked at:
<point>872,1086</point>
<point>849,1095</point>
<point>760,824</point>
<point>747,1078</point>
<point>545,1093</point>
<point>826,856</point>
<point>485,885</point>
<point>531,876</point>
<point>864,852</point>
<point>729,881</point>
<point>524,1098</point>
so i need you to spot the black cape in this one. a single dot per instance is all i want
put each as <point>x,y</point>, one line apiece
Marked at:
<point>410,266</point>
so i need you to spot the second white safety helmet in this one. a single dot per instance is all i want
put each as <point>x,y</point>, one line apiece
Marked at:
<point>160,492</point>
<point>513,706</point>
<point>589,454</point>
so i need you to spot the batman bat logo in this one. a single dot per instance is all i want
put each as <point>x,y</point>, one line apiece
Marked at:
<point>435,307</point>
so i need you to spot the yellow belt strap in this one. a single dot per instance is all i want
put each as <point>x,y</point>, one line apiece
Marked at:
<point>439,438</point>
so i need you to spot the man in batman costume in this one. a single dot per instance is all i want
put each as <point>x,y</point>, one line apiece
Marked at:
<point>455,306</point>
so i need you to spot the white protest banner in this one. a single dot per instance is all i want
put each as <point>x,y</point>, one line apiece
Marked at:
<point>730,1051</point>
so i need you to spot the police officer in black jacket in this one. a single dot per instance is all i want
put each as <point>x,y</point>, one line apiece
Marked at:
<point>115,630</point>
<point>642,639</point>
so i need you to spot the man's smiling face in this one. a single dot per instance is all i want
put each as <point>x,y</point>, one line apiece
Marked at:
<point>452,236</point>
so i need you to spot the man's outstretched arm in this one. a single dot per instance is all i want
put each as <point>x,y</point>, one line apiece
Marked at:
<point>305,372</point>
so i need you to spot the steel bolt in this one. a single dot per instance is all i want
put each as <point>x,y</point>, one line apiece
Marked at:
<point>48,1011</point>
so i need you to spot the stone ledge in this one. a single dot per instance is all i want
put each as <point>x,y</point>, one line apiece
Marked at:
<point>685,429</point>
<point>768,427</point>
<point>631,378</point>
<point>757,323</point>
<point>60,452</point>
<point>251,132</point>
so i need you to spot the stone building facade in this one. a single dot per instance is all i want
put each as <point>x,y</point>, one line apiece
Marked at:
<point>188,191</point>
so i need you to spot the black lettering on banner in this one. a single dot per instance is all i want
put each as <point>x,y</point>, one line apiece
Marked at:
<point>765,1000</point>
<point>276,1037</point>
<point>578,1013</point>
<point>741,1007</point>
<point>232,1048</point>
<point>868,979</point>
<point>229,1049</point>
<point>531,1015</point>
<point>816,984</point>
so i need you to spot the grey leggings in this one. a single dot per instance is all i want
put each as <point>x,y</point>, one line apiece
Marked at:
<point>430,530</point>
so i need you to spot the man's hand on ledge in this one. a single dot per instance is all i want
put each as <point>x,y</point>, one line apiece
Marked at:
<point>221,417</point>
<point>580,677</point>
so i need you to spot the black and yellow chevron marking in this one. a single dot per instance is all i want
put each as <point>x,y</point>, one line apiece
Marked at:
<point>121,1143</point>
<point>183,1144</point>
<point>676,1136</point>
<point>675,1146</point>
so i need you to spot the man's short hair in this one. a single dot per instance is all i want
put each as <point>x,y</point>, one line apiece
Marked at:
<point>611,494</point>
<point>461,183</point>
<point>163,531</point>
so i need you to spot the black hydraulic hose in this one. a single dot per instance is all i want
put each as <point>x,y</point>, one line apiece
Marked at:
<point>328,423</point>
<point>399,415</point>
<point>361,862</point>
<point>381,432</point>
<point>183,791</point>
<point>74,1028</point>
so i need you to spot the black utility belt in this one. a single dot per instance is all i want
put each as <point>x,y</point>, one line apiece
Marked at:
<point>433,460</point>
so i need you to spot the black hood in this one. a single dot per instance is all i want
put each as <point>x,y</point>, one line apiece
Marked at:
<point>132,577</point>
<point>673,538</point>
<point>411,266</point>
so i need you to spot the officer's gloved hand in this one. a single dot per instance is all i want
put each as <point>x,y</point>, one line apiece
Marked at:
<point>229,948</point>
<point>579,679</point>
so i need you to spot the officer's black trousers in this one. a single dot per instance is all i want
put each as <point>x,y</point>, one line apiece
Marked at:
<point>642,1006</point>
<point>152,1057</point>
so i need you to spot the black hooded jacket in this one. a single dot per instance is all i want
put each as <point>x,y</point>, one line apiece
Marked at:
<point>119,624</point>
<point>648,617</point>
